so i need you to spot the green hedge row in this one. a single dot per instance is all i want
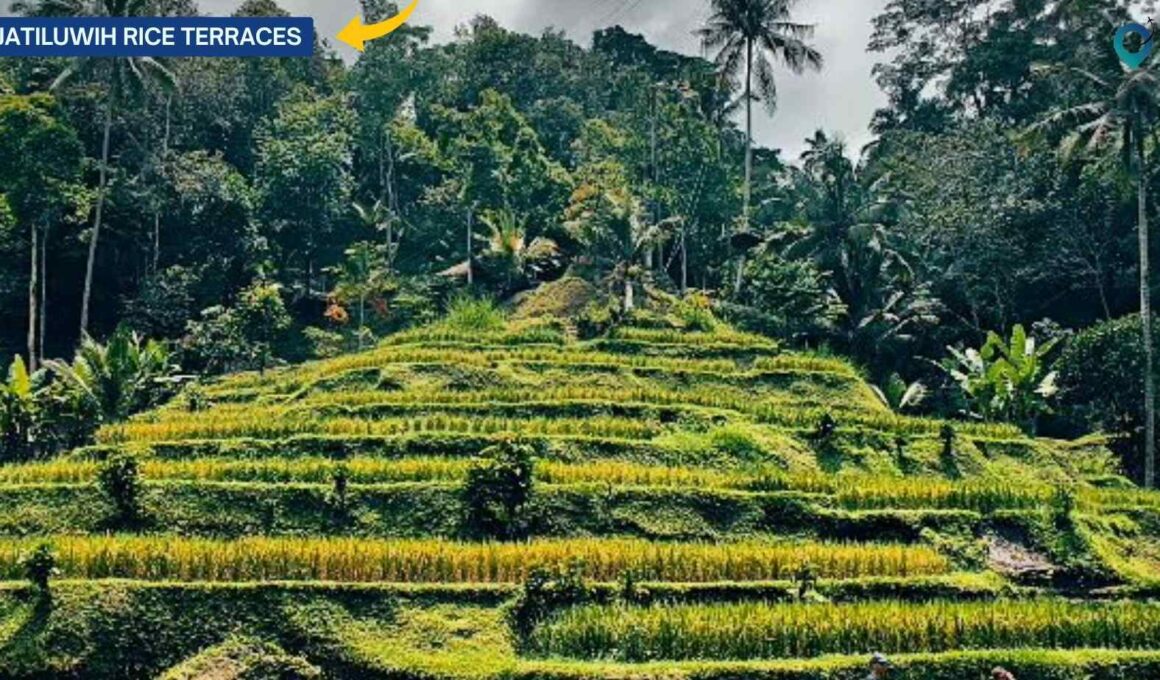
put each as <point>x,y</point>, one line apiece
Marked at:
<point>418,445</point>
<point>951,587</point>
<point>705,351</point>
<point>409,510</point>
<point>687,414</point>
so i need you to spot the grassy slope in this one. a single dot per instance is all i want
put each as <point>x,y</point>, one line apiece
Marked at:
<point>656,432</point>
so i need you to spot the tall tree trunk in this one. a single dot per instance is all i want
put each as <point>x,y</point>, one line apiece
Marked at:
<point>748,160</point>
<point>392,202</point>
<point>470,236</point>
<point>382,164</point>
<point>362,318</point>
<point>684,260</point>
<point>33,282</point>
<point>97,220</point>
<point>655,179</point>
<point>43,290</point>
<point>1146,318</point>
<point>157,208</point>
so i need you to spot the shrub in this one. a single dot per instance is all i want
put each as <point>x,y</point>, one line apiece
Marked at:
<point>339,498</point>
<point>547,591</point>
<point>789,299</point>
<point>737,442</point>
<point>478,315</point>
<point>696,313</point>
<point>194,398</point>
<point>597,318</point>
<point>1063,504</point>
<point>497,489</point>
<point>242,337</point>
<point>120,481</point>
<point>40,566</point>
<point>1101,377</point>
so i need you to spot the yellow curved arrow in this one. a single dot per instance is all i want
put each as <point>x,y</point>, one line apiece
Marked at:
<point>357,34</point>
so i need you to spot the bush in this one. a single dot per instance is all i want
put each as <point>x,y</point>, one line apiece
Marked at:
<point>120,481</point>
<point>246,659</point>
<point>40,566</point>
<point>597,318</point>
<point>547,591</point>
<point>497,491</point>
<point>194,398</point>
<point>66,417</point>
<point>788,299</point>
<point>242,337</point>
<point>1101,376</point>
<point>479,315</point>
<point>696,313</point>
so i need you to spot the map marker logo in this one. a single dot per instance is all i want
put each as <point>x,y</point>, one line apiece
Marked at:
<point>1133,59</point>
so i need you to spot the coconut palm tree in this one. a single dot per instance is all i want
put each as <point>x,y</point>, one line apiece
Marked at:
<point>842,226</point>
<point>1120,117</point>
<point>750,37</point>
<point>121,77</point>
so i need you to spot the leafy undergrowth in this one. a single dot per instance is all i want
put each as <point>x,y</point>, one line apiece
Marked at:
<point>727,509</point>
<point>244,659</point>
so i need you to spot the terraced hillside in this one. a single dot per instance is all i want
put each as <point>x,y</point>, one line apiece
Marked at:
<point>701,505</point>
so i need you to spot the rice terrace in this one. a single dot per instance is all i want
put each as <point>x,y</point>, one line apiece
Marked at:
<point>686,513</point>
<point>527,347</point>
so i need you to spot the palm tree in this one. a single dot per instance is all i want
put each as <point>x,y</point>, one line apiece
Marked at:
<point>510,254</point>
<point>750,36</point>
<point>1121,115</point>
<point>843,227</point>
<point>611,226</point>
<point>360,276</point>
<point>121,76</point>
<point>380,217</point>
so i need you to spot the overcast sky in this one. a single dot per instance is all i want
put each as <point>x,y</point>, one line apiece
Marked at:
<point>841,98</point>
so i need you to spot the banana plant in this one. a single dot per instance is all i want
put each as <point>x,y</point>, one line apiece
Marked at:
<point>1006,379</point>
<point>900,396</point>
<point>17,412</point>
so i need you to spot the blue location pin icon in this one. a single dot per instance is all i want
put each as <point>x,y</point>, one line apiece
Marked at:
<point>1133,59</point>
